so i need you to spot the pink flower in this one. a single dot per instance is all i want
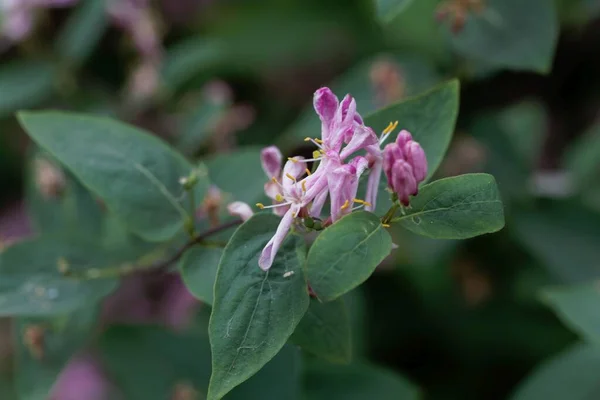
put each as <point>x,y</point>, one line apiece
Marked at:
<point>240,209</point>
<point>343,186</point>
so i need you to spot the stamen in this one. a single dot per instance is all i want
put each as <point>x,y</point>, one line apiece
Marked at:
<point>263,207</point>
<point>316,154</point>
<point>290,177</point>
<point>293,159</point>
<point>346,205</point>
<point>318,141</point>
<point>260,205</point>
<point>279,197</point>
<point>359,201</point>
<point>388,129</point>
<point>308,172</point>
<point>304,186</point>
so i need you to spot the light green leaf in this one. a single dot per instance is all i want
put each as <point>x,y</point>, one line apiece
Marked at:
<point>31,284</point>
<point>137,175</point>
<point>356,382</point>
<point>199,271</point>
<point>573,375</point>
<point>345,254</point>
<point>387,10</point>
<point>238,174</point>
<point>460,207</point>
<point>150,363</point>
<point>325,331</point>
<point>62,336</point>
<point>25,84</point>
<point>578,307</point>
<point>254,311</point>
<point>511,33</point>
<point>82,32</point>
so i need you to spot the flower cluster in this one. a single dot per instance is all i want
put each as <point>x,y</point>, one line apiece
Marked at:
<point>299,193</point>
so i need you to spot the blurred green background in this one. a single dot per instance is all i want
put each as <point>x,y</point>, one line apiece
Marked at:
<point>462,320</point>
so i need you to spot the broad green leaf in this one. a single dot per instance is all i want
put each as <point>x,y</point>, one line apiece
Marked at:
<point>564,236</point>
<point>25,84</point>
<point>325,331</point>
<point>238,174</point>
<point>582,159</point>
<point>387,10</point>
<point>407,76</point>
<point>66,207</point>
<point>573,375</point>
<point>254,311</point>
<point>151,363</point>
<point>356,382</point>
<point>345,254</point>
<point>578,307</point>
<point>199,270</point>
<point>511,33</point>
<point>460,207</point>
<point>184,60</point>
<point>135,174</point>
<point>32,286</point>
<point>82,32</point>
<point>37,368</point>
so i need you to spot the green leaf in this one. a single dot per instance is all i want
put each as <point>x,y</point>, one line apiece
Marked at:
<point>31,284</point>
<point>578,307</point>
<point>387,10</point>
<point>137,175</point>
<point>149,363</point>
<point>460,207</point>
<point>70,210</point>
<point>344,255</point>
<point>414,76</point>
<point>325,331</point>
<point>38,368</point>
<point>564,236</point>
<point>511,34</point>
<point>254,311</point>
<point>356,382</point>
<point>199,271</point>
<point>238,174</point>
<point>581,159</point>
<point>25,84</point>
<point>573,375</point>
<point>82,32</point>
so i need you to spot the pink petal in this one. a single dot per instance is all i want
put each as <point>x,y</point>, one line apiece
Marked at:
<point>271,159</point>
<point>362,138</point>
<point>326,104</point>
<point>270,251</point>
<point>403,137</point>
<point>240,209</point>
<point>403,181</point>
<point>373,185</point>
<point>416,157</point>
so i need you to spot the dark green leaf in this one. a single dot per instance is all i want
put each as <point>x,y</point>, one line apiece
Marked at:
<point>456,208</point>
<point>254,311</point>
<point>137,175</point>
<point>582,159</point>
<point>25,84</point>
<point>31,284</point>
<point>346,254</point>
<point>325,331</point>
<point>61,337</point>
<point>511,33</point>
<point>199,270</point>
<point>387,10</point>
<point>578,307</point>
<point>573,375</point>
<point>356,382</point>
<point>150,363</point>
<point>82,32</point>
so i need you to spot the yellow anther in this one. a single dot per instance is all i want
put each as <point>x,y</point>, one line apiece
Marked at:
<point>290,177</point>
<point>316,154</point>
<point>385,225</point>
<point>318,141</point>
<point>359,201</point>
<point>279,197</point>
<point>308,172</point>
<point>346,205</point>
<point>322,151</point>
<point>293,159</point>
<point>260,205</point>
<point>307,139</point>
<point>304,186</point>
<point>390,127</point>
<point>274,180</point>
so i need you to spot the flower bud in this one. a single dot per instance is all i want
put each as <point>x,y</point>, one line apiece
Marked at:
<point>391,153</point>
<point>403,137</point>
<point>325,103</point>
<point>403,181</point>
<point>416,158</point>
<point>271,159</point>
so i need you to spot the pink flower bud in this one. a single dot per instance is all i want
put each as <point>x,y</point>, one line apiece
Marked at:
<point>403,137</point>
<point>325,103</point>
<point>240,209</point>
<point>271,159</point>
<point>403,181</point>
<point>416,158</point>
<point>391,153</point>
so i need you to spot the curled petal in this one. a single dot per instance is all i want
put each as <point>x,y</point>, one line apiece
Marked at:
<point>272,189</point>
<point>416,158</point>
<point>326,104</point>
<point>373,184</point>
<point>362,138</point>
<point>403,181</point>
<point>343,185</point>
<point>270,251</point>
<point>240,209</point>
<point>293,170</point>
<point>271,159</point>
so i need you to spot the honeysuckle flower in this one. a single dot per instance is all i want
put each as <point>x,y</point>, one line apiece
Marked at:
<point>240,209</point>
<point>343,185</point>
<point>405,166</point>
